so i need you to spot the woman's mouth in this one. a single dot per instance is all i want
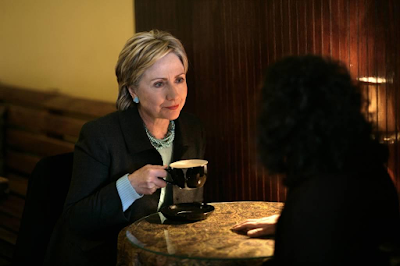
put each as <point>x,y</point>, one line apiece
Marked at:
<point>173,107</point>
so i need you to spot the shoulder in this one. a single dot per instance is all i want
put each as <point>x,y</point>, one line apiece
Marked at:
<point>101,122</point>
<point>100,131</point>
<point>112,122</point>
<point>97,130</point>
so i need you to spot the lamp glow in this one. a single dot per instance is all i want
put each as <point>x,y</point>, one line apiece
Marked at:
<point>374,80</point>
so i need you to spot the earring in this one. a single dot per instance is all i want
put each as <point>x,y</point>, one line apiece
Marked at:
<point>136,99</point>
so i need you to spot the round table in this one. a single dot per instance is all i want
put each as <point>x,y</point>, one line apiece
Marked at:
<point>154,240</point>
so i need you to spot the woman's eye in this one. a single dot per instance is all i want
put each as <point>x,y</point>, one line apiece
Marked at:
<point>180,80</point>
<point>158,84</point>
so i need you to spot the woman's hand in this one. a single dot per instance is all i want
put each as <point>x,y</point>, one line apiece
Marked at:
<point>146,179</point>
<point>257,227</point>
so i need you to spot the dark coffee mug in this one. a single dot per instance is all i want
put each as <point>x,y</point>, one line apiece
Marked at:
<point>188,174</point>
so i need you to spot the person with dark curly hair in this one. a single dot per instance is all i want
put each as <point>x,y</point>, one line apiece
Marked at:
<point>342,207</point>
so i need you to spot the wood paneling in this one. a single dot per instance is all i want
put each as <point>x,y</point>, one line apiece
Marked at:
<point>231,42</point>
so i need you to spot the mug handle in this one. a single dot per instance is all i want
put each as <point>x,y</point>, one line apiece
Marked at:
<point>169,170</point>
<point>169,182</point>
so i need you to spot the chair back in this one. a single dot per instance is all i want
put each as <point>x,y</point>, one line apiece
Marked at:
<point>47,189</point>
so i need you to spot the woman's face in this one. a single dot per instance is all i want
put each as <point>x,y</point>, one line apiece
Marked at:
<point>162,90</point>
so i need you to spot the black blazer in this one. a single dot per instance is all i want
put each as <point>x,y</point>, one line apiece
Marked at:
<point>107,149</point>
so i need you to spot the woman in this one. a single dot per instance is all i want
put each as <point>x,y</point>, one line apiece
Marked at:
<point>341,207</point>
<point>119,158</point>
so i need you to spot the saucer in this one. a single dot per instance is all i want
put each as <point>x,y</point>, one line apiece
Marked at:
<point>195,211</point>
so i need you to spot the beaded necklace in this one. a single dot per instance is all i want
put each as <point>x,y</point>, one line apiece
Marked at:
<point>166,141</point>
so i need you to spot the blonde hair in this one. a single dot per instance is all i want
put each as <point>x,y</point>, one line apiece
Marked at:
<point>139,53</point>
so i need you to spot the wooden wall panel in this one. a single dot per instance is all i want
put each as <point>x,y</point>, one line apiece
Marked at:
<point>231,42</point>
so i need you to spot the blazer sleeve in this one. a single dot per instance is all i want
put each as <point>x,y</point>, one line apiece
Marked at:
<point>93,202</point>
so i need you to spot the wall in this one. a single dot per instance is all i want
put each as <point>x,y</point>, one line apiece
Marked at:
<point>231,42</point>
<point>66,46</point>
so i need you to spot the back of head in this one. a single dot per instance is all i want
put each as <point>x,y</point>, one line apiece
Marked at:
<point>140,53</point>
<point>311,119</point>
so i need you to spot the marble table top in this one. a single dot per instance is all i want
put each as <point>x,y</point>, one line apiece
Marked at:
<point>155,240</point>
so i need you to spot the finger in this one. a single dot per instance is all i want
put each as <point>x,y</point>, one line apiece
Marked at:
<point>158,167</point>
<point>261,231</point>
<point>244,227</point>
<point>148,186</point>
<point>257,232</point>
<point>259,223</point>
<point>249,223</point>
<point>158,173</point>
<point>238,225</point>
<point>159,182</point>
<point>149,191</point>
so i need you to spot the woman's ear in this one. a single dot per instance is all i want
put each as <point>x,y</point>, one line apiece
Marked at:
<point>131,92</point>
<point>133,95</point>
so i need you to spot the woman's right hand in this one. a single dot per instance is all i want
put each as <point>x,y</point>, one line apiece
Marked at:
<point>146,179</point>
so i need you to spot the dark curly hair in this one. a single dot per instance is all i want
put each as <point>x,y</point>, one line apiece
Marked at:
<point>311,121</point>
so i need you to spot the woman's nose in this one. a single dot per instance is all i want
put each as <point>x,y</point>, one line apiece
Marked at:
<point>172,93</point>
